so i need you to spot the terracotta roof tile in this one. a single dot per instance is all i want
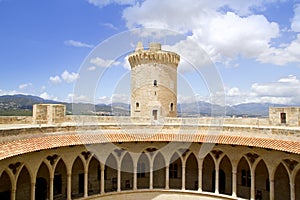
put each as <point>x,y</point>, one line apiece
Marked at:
<point>13,148</point>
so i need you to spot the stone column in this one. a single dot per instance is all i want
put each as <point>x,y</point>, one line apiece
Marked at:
<point>119,178</point>
<point>13,194</point>
<point>292,190</point>
<point>200,176</point>
<point>217,178</point>
<point>51,188</point>
<point>86,173</point>
<point>252,194</point>
<point>272,188</point>
<point>183,177</point>
<point>13,191</point>
<point>234,181</point>
<point>134,177</point>
<point>69,186</point>
<point>32,192</point>
<point>151,177</point>
<point>167,178</point>
<point>102,183</point>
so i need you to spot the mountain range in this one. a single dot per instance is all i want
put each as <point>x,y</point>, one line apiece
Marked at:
<point>22,105</point>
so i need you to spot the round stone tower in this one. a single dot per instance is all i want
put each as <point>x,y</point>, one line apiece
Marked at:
<point>153,82</point>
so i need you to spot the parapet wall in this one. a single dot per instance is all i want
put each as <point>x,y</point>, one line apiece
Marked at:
<point>153,55</point>
<point>16,120</point>
<point>84,120</point>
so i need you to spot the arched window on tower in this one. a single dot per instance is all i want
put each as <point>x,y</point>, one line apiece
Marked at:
<point>155,83</point>
<point>171,107</point>
<point>137,105</point>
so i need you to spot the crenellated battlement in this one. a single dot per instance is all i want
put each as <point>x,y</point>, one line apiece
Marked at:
<point>153,55</point>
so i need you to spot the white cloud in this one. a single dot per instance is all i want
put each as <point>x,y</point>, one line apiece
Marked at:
<point>295,24</point>
<point>102,3</point>
<point>224,29</point>
<point>45,95</point>
<point>126,63</point>
<point>281,56</point>
<point>55,79</point>
<point>65,76</point>
<point>77,44</point>
<point>79,98</point>
<point>191,56</point>
<point>116,98</point>
<point>234,92</point>
<point>110,25</point>
<point>69,77</point>
<point>103,63</point>
<point>283,91</point>
<point>25,85</point>
<point>285,87</point>
<point>91,68</point>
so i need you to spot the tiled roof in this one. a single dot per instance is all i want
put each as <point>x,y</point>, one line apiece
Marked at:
<point>17,147</point>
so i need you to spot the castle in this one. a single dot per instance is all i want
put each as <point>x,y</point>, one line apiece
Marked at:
<point>153,154</point>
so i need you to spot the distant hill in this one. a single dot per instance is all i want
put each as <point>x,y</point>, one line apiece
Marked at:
<point>14,105</point>
<point>22,105</point>
<point>19,104</point>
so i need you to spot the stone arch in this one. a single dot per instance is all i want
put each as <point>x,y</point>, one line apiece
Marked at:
<point>143,172</point>
<point>225,176</point>
<point>60,180</point>
<point>297,184</point>
<point>5,186</point>
<point>207,173</point>
<point>175,171</point>
<point>281,183</point>
<point>127,172</point>
<point>42,182</point>
<point>111,173</point>
<point>94,176</point>
<point>191,172</point>
<point>262,183</point>
<point>243,179</point>
<point>23,184</point>
<point>159,171</point>
<point>77,188</point>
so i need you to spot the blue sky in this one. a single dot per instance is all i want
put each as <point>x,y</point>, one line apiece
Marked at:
<point>254,46</point>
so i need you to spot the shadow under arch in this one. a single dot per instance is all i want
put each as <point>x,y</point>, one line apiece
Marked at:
<point>281,183</point>
<point>42,182</point>
<point>111,173</point>
<point>60,180</point>
<point>207,174</point>
<point>175,171</point>
<point>143,172</point>
<point>5,186</point>
<point>94,176</point>
<point>243,179</point>
<point>23,184</point>
<point>127,172</point>
<point>225,176</point>
<point>191,173</point>
<point>77,178</point>
<point>262,182</point>
<point>159,171</point>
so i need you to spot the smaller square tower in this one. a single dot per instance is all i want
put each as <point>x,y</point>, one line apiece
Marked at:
<point>48,113</point>
<point>289,116</point>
